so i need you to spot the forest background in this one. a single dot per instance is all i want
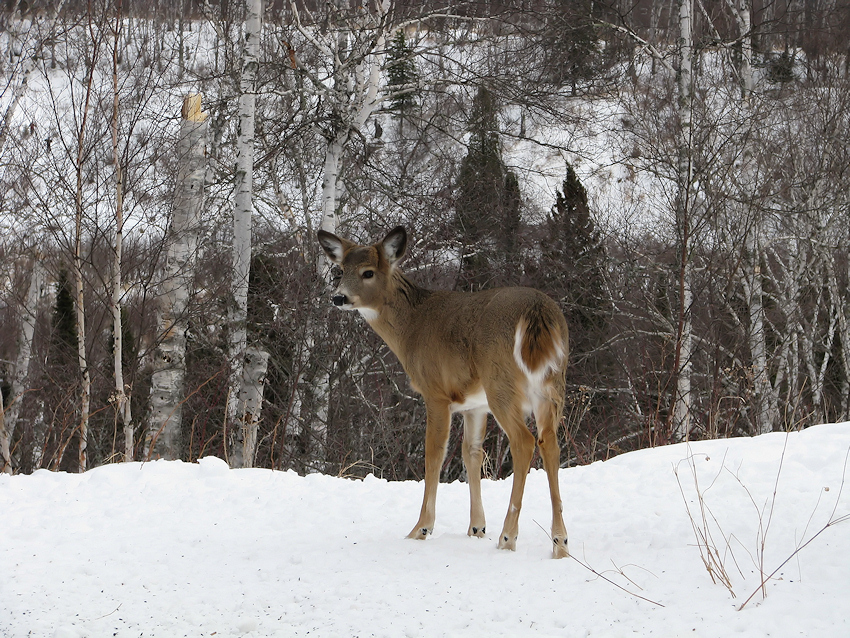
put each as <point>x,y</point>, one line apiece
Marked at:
<point>673,172</point>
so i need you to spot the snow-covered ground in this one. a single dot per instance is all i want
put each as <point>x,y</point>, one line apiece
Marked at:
<point>178,549</point>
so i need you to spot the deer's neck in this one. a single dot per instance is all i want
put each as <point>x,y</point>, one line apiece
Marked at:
<point>398,314</point>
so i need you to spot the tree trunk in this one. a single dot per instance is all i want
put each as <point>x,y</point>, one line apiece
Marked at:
<point>842,307</point>
<point>330,215</point>
<point>360,81</point>
<point>762,389</point>
<point>22,363</point>
<point>241,255</point>
<point>683,364</point>
<point>85,384</point>
<point>743,16</point>
<point>122,401</point>
<point>5,452</point>
<point>169,359</point>
<point>253,383</point>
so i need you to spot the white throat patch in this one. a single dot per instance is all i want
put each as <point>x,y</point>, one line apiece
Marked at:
<point>368,313</point>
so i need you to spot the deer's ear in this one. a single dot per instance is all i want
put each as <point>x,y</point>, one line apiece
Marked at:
<point>394,244</point>
<point>333,246</point>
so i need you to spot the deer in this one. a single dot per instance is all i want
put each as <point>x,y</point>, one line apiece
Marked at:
<point>501,351</point>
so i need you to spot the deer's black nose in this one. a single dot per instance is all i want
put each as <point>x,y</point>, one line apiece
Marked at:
<point>339,300</point>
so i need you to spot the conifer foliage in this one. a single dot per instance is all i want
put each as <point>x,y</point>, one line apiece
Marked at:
<point>402,76</point>
<point>570,43</point>
<point>573,263</point>
<point>488,198</point>
<point>573,247</point>
<point>62,381</point>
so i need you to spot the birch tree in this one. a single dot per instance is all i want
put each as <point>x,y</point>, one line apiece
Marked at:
<point>22,362</point>
<point>242,428</point>
<point>169,358</point>
<point>353,56</point>
<point>766,412</point>
<point>121,400</point>
<point>743,18</point>
<point>5,454</point>
<point>683,364</point>
<point>348,81</point>
<point>85,387</point>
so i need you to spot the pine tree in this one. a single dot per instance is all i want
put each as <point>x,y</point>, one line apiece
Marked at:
<point>575,257</point>
<point>570,43</point>
<point>63,343</point>
<point>62,374</point>
<point>488,200</point>
<point>573,262</point>
<point>402,76</point>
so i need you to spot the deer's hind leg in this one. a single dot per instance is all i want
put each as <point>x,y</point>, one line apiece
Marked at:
<point>512,420</point>
<point>474,429</point>
<point>436,438</point>
<point>548,414</point>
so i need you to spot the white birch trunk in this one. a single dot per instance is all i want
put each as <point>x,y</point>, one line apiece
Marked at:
<point>683,358</point>
<point>817,369</point>
<point>820,380</point>
<point>85,386</point>
<point>251,399</point>
<point>330,179</point>
<point>360,82</point>
<point>122,401</point>
<point>5,453</point>
<point>842,308</point>
<point>682,407</point>
<point>792,277</point>
<point>320,386</point>
<point>22,361</point>
<point>169,359</point>
<point>764,416</point>
<point>743,17</point>
<point>241,255</point>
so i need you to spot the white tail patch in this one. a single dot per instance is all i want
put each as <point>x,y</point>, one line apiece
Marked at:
<point>553,363</point>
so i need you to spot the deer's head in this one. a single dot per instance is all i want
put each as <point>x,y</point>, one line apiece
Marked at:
<point>367,271</point>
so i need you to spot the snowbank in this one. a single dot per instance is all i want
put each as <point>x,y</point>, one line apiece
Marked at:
<point>174,549</point>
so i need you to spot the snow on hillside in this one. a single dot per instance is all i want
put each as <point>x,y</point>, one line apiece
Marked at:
<point>179,549</point>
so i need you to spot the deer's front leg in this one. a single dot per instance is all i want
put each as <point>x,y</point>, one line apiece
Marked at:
<point>474,429</point>
<point>436,439</point>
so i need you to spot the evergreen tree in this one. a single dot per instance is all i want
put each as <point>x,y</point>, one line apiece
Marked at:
<point>63,343</point>
<point>402,76</point>
<point>573,263</point>
<point>570,44</point>
<point>573,267</point>
<point>62,374</point>
<point>488,197</point>
<point>575,253</point>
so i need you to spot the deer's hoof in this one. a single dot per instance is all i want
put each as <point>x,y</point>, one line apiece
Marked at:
<point>507,542</point>
<point>419,533</point>
<point>559,547</point>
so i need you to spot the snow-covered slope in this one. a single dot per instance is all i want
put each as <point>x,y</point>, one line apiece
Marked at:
<point>176,549</point>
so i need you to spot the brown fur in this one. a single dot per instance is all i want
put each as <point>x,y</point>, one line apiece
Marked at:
<point>461,353</point>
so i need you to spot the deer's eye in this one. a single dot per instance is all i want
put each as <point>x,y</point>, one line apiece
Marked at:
<point>368,274</point>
